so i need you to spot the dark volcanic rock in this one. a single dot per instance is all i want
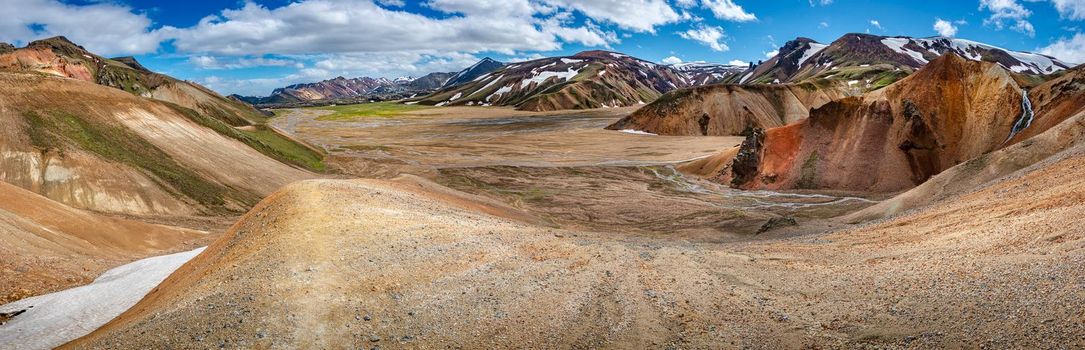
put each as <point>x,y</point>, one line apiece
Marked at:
<point>745,165</point>
<point>775,223</point>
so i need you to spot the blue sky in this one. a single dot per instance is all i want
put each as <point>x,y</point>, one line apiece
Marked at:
<point>252,47</point>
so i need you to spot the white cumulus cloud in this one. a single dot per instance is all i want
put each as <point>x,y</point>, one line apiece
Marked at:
<point>728,10</point>
<point>944,27</point>
<point>710,36</point>
<point>1008,12</point>
<point>103,27</point>
<point>1071,9</point>
<point>671,60</point>
<point>1067,49</point>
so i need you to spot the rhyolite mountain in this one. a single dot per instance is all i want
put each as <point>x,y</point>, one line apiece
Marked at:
<point>806,74</point>
<point>60,57</point>
<point>948,112</point>
<point>874,61</point>
<point>729,109</point>
<point>590,79</point>
<point>111,136</point>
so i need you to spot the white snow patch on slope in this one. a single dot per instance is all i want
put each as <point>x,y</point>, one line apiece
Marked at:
<point>488,85</point>
<point>897,44</point>
<point>543,76</point>
<point>54,319</point>
<point>745,78</point>
<point>811,51</point>
<point>484,76</point>
<point>503,90</point>
<point>456,96</point>
<point>1030,62</point>
<point>568,61</point>
<point>637,132</point>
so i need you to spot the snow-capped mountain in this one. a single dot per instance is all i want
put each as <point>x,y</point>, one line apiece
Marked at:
<point>590,79</point>
<point>483,66</point>
<point>875,61</point>
<point>705,73</point>
<point>926,49</point>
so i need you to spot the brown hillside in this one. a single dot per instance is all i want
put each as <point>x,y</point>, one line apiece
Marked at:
<point>100,148</point>
<point>1061,100</point>
<point>727,110</point>
<point>48,246</point>
<point>889,140</point>
<point>330,264</point>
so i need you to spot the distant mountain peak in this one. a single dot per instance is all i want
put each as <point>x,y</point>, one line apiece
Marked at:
<point>482,67</point>
<point>55,42</point>
<point>132,63</point>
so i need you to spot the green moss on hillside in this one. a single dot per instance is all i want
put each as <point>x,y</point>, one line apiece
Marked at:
<point>61,131</point>
<point>263,140</point>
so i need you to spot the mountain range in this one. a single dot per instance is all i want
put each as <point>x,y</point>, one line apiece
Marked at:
<point>805,69</point>
<point>346,90</point>
<point>590,79</point>
<point>874,61</point>
<point>860,61</point>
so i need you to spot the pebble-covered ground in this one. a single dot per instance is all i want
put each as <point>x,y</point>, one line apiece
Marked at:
<point>370,264</point>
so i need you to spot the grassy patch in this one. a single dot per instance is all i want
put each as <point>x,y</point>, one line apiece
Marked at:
<point>887,78</point>
<point>61,130</point>
<point>367,110</point>
<point>285,149</point>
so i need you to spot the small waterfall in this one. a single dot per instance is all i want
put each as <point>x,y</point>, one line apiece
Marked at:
<point>1025,120</point>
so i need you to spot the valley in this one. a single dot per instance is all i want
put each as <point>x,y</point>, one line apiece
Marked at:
<point>563,167</point>
<point>868,192</point>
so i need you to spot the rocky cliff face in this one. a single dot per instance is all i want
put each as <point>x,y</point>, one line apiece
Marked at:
<point>948,112</point>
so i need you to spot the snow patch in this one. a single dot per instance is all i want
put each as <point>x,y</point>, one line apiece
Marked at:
<point>897,44</point>
<point>637,132</point>
<point>811,51</point>
<point>503,90</point>
<point>745,78</point>
<point>54,319</point>
<point>543,76</point>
